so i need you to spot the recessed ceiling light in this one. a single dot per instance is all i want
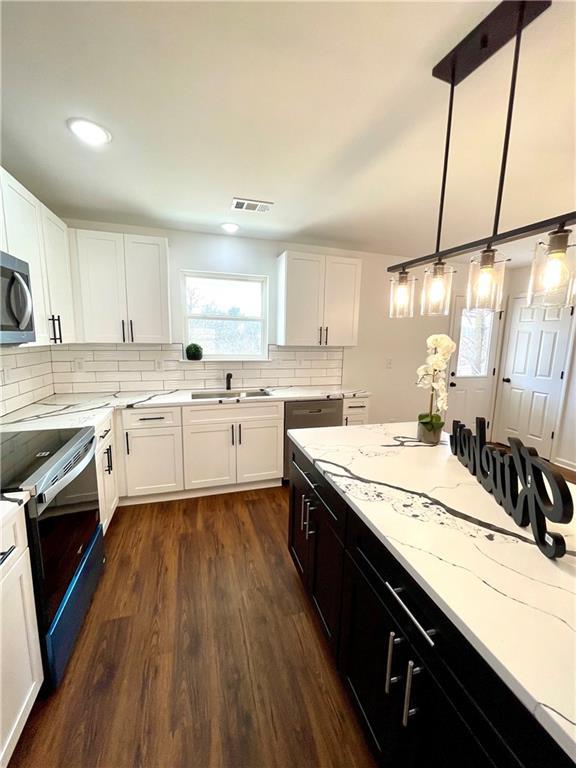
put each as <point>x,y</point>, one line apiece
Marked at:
<point>230,227</point>
<point>89,132</point>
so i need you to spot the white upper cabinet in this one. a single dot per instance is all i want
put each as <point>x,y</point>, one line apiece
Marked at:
<point>318,299</point>
<point>22,214</point>
<point>59,277</point>
<point>146,261</point>
<point>101,285</point>
<point>341,301</point>
<point>123,283</point>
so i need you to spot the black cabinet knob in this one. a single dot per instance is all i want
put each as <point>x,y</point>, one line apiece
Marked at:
<point>506,380</point>
<point>452,384</point>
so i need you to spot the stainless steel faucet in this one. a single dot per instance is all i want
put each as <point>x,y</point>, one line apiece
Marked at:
<point>228,380</point>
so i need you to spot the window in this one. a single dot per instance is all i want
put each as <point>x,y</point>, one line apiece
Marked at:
<point>474,344</point>
<point>226,314</point>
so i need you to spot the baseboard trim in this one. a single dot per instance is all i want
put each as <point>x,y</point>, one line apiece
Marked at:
<point>130,501</point>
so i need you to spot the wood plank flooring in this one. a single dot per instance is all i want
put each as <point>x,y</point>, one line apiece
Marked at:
<point>199,651</point>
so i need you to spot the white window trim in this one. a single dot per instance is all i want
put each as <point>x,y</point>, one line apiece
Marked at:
<point>263,279</point>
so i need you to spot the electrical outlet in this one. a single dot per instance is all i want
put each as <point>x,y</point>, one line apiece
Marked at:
<point>159,365</point>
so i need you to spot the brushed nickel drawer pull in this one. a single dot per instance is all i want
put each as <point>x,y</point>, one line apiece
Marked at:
<point>426,633</point>
<point>408,711</point>
<point>303,501</point>
<point>392,641</point>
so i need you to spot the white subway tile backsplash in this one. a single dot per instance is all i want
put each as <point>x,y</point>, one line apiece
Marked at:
<point>26,376</point>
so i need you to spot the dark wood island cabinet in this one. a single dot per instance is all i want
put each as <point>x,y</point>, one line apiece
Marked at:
<point>424,696</point>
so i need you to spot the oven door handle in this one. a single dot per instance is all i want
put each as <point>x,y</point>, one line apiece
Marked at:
<point>50,494</point>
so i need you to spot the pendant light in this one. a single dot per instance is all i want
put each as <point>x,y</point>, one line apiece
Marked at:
<point>485,281</point>
<point>552,277</point>
<point>436,289</point>
<point>402,291</point>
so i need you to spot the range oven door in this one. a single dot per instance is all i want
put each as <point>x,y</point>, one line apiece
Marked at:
<point>16,315</point>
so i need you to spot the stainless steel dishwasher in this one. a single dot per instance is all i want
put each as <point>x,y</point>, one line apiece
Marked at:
<point>309,413</point>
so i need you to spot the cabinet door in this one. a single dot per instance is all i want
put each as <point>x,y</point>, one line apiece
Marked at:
<point>20,664</point>
<point>24,241</point>
<point>367,631</point>
<point>260,451</point>
<point>297,541</point>
<point>210,454</point>
<point>341,301</point>
<point>146,261</point>
<point>107,483</point>
<point>154,460</point>
<point>102,286</point>
<point>58,274</point>
<point>303,299</point>
<point>325,563</point>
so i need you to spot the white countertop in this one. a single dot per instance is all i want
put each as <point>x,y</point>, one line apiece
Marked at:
<point>9,501</point>
<point>90,409</point>
<point>514,605</point>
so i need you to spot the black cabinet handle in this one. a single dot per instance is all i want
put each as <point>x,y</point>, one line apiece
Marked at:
<point>127,445</point>
<point>59,321</point>
<point>232,426</point>
<point>506,380</point>
<point>52,320</point>
<point>131,331</point>
<point>239,434</point>
<point>349,407</point>
<point>108,453</point>
<point>326,335</point>
<point>320,339</point>
<point>103,435</point>
<point>452,384</point>
<point>123,331</point>
<point>151,418</point>
<point>6,554</point>
<point>346,421</point>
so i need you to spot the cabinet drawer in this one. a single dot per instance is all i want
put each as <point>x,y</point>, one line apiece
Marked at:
<point>334,507</point>
<point>13,537</point>
<point>138,418</point>
<point>103,434</point>
<point>232,412</point>
<point>354,405</point>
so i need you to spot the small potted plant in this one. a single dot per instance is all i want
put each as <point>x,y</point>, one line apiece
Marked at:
<point>432,376</point>
<point>194,352</point>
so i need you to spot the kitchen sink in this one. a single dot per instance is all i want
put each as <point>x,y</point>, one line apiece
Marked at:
<point>214,394</point>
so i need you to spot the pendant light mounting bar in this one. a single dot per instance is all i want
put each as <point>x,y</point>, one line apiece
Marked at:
<point>492,34</point>
<point>513,234</point>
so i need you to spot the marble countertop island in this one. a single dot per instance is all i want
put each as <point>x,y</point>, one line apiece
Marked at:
<point>513,604</point>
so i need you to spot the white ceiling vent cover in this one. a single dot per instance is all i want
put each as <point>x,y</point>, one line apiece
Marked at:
<point>243,204</point>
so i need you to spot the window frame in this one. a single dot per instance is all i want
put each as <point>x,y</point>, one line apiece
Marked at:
<point>264,319</point>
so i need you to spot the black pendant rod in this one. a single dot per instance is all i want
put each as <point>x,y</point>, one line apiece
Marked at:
<point>445,168</point>
<point>508,120</point>
<point>536,227</point>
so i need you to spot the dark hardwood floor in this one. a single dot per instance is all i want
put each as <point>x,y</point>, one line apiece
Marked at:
<point>200,650</point>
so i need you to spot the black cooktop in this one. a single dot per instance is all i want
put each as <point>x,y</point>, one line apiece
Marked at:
<point>23,453</point>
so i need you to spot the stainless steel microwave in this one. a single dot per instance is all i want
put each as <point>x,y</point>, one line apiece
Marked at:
<point>17,326</point>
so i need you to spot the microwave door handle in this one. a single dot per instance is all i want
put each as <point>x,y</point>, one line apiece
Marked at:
<point>50,494</point>
<point>25,319</point>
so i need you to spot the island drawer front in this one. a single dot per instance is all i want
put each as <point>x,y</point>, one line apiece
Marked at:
<point>452,660</point>
<point>236,412</point>
<point>336,508</point>
<point>140,418</point>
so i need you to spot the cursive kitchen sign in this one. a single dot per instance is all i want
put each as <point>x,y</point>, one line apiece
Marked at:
<point>529,489</point>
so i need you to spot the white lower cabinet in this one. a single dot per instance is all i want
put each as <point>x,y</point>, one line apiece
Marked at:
<point>355,411</point>
<point>21,664</point>
<point>209,455</point>
<point>153,460</point>
<point>106,471</point>
<point>260,451</point>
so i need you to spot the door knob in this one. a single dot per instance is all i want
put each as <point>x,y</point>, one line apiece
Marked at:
<point>506,380</point>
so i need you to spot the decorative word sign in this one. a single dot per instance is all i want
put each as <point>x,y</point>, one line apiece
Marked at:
<point>528,487</point>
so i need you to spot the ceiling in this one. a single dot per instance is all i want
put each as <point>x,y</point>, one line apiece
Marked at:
<point>327,109</point>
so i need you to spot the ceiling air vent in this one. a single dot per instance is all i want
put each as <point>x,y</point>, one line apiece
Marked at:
<point>243,204</point>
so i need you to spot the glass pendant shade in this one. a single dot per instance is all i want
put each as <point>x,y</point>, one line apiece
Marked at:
<point>436,290</point>
<point>552,277</point>
<point>402,289</point>
<point>485,282</point>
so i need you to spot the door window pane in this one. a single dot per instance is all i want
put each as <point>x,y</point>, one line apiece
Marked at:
<point>474,344</point>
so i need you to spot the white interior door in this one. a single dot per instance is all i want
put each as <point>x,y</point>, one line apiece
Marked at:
<point>304,299</point>
<point>530,383</point>
<point>102,286</point>
<point>472,367</point>
<point>341,301</point>
<point>58,273</point>
<point>147,289</point>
